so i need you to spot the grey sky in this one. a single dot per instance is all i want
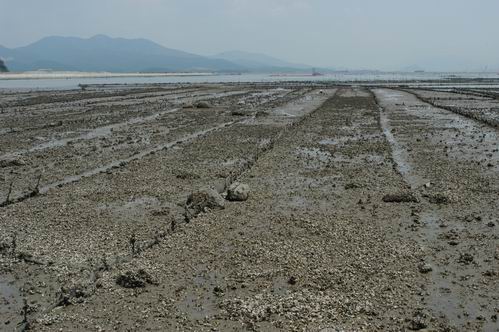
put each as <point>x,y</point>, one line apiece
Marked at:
<point>375,34</point>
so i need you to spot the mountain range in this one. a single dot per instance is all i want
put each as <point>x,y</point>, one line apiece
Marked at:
<point>260,62</point>
<point>103,53</point>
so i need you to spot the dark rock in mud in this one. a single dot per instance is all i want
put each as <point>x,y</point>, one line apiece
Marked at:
<point>238,192</point>
<point>4,247</point>
<point>137,279</point>
<point>351,185</point>
<point>185,175</point>
<point>466,258</point>
<point>451,236</point>
<point>75,293</point>
<point>12,161</point>
<point>28,258</point>
<point>419,321</point>
<point>400,198</point>
<point>425,268</point>
<point>203,104</point>
<point>490,273</point>
<point>472,218</point>
<point>239,113</point>
<point>206,198</point>
<point>218,291</point>
<point>261,114</point>
<point>55,124</point>
<point>439,198</point>
<point>188,105</point>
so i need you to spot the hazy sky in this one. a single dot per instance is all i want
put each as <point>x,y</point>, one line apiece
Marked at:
<point>375,34</point>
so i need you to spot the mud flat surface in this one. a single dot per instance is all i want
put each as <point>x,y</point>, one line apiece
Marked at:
<point>368,210</point>
<point>482,105</point>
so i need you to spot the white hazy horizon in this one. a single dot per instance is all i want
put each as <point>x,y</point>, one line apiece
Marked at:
<point>390,35</point>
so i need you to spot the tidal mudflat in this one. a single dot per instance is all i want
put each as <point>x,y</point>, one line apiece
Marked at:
<point>252,206</point>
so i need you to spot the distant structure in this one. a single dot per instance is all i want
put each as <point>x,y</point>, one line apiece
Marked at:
<point>316,73</point>
<point>3,67</point>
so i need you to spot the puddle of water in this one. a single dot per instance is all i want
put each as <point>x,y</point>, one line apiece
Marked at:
<point>201,302</point>
<point>132,209</point>
<point>399,153</point>
<point>4,131</point>
<point>303,105</point>
<point>355,92</point>
<point>329,141</point>
<point>232,162</point>
<point>11,303</point>
<point>281,287</point>
<point>346,139</point>
<point>315,154</point>
<point>445,298</point>
<point>284,113</point>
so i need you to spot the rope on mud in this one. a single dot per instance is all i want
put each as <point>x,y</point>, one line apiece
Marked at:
<point>65,294</point>
<point>34,192</point>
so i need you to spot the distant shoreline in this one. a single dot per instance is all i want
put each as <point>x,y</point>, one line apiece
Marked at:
<point>71,75</point>
<point>66,80</point>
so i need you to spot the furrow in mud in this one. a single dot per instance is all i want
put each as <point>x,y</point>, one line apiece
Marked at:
<point>302,240</point>
<point>75,155</point>
<point>114,165</point>
<point>367,211</point>
<point>68,118</point>
<point>91,134</point>
<point>453,170</point>
<point>482,109</point>
<point>184,167</point>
